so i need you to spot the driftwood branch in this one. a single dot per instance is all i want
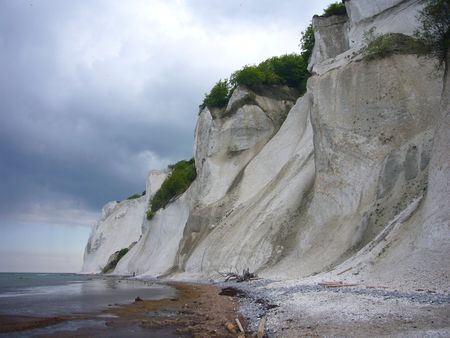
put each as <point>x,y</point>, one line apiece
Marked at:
<point>239,325</point>
<point>246,275</point>
<point>261,328</point>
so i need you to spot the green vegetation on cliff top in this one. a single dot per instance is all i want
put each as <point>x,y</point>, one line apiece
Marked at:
<point>336,8</point>
<point>286,70</point>
<point>182,174</point>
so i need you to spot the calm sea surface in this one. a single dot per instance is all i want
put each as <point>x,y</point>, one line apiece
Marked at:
<point>51,294</point>
<point>54,294</point>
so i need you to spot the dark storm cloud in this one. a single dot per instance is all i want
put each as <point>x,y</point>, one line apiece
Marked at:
<point>93,94</point>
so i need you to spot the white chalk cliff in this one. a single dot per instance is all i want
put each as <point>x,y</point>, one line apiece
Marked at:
<point>121,225</point>
<point>353,174</point>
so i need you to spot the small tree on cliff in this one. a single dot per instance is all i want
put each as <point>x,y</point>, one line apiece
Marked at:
<point>434,29</point>
<point>307,42</point>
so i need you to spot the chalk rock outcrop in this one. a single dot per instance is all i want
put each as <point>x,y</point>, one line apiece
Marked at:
<point>340,38</point>
<point>226,141</point>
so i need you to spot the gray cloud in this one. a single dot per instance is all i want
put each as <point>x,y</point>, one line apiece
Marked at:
<point>93,94</point>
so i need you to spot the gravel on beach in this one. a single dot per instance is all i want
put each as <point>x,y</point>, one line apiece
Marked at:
<point>295,309</point>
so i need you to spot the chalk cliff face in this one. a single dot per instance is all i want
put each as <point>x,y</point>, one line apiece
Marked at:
<point>373,132</point>
<point>353,174</point>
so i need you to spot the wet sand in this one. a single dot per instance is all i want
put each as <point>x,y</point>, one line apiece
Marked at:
<point>196,311</point>
<point>10,323</point>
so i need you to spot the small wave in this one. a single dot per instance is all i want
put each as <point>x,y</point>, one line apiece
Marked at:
<point>20,294</point>
<point>44,290</point>
<point>107,315</point>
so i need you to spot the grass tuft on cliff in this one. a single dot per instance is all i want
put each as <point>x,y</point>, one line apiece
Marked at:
<point>135,196</point>
<point>381,46</point>
<point>177,182</point>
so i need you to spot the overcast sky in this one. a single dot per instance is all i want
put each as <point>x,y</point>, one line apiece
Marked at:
<point>94,93</point>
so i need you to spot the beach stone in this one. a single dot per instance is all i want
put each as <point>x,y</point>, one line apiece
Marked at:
<point>231,327</point>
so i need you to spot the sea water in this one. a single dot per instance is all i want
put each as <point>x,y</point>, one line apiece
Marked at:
<point>53,294</point>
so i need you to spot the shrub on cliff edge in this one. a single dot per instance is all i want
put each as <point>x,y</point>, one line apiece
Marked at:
<point>218,96</point>
<point>286,70</point>
<point>336,8</point>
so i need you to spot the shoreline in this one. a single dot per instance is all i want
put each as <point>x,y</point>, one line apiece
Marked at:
<point>201,309</point>
<point>197,310</point>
